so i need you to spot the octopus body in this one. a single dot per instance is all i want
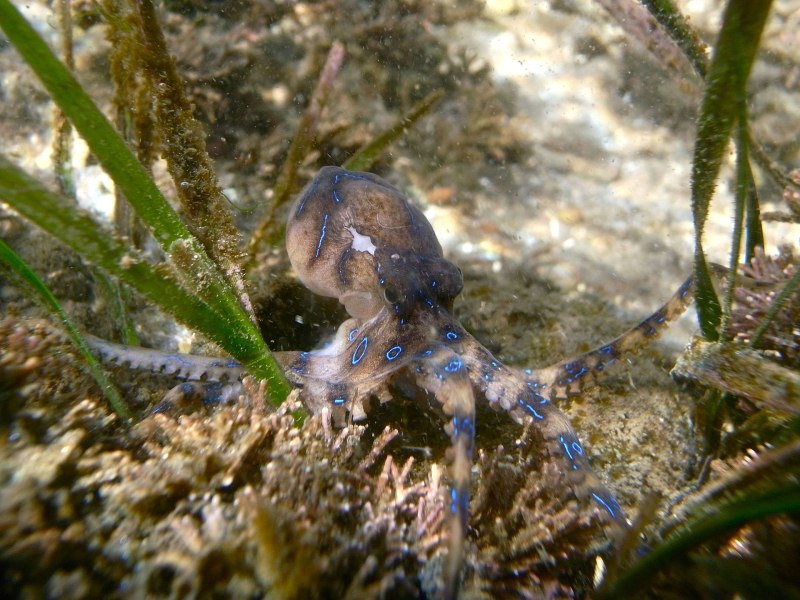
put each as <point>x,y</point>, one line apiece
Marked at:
<point>353,236</point>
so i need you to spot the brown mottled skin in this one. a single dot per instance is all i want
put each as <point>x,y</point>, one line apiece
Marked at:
<point>404,267</point>
<point>352,236</point>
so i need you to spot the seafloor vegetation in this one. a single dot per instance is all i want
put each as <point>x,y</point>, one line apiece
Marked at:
<point>102,497</point>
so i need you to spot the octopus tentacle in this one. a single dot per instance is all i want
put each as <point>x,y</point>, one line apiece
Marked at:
<point>445,375</point>
<point>563,445</point>
<point>184,366</point>
<point>578,373</point>
<point>505,388</point>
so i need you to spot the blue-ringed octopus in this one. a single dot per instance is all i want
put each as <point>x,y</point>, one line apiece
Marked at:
<point>353,236</point>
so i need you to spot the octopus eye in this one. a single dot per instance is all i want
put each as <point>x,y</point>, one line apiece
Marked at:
<point>391,295</point>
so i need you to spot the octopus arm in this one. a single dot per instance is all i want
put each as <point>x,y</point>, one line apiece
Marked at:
<point>183,366</point>
<point>563,446</point>
<point>579,373</point>
<point>444,374</point>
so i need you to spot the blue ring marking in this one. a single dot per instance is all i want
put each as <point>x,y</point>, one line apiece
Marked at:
<point>360,350</point>
<point>314,185</point>
<point>321,237</point>
<point>394,353</point>
<point>651,331</point>
<point>453,500</point>
<point>494,364</point>
<point>528,371</point>
<point>532,410</point>
<point>179,359</point>
<point>212,391</point>
<point>466,424</point>
<point>353,334</point>
<point>299,368</point>
<point>336,197</point>
<point>599,367</point>
<point>433,283</point>
<point>352,176</point>
<point>566,447</point>
<point>336,178</point>
<point>427,353</point>
<point>606,506</point>
<point>465,427</point>
<point>661,319</point>
<point>607,349</point>
<point>580,373</point>
<point>338,401</point>
<point>232,364</point>
<point>455,426</point>
<point>570,367</point>
<point>451,336</point>
<point>577,447</point>
<point>454,366</point>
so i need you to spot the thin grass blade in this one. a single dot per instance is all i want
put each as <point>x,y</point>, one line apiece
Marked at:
<point>267,228</point>
<point>734,53</point>
<point>45,297</point>
<point>53,214</point>
<point>118,161</point>
<point>789,288</point>
<point>743,185</point>
<point>676,25</point>
<point>184,148</point>
<point>780,499</point>
<point>753,229</point>
<point>366,156</point>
